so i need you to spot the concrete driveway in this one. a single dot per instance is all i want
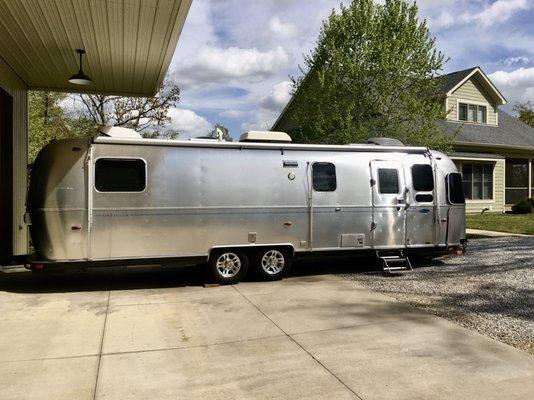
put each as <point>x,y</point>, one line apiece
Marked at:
<point>116,334</point>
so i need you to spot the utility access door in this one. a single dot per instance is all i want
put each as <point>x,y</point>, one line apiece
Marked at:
<point>389,192</point>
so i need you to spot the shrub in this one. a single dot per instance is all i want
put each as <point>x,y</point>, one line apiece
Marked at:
<point>523,207</point>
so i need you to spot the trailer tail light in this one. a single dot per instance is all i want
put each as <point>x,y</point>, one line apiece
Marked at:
<point>34,266</point>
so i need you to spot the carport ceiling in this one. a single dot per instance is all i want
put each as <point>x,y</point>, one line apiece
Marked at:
<point>129,43</point>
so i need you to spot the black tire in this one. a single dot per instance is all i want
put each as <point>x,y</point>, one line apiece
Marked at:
<point>272,264</point>
<point>229,273</point>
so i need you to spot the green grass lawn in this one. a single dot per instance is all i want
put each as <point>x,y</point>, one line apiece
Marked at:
<point>514,223</point>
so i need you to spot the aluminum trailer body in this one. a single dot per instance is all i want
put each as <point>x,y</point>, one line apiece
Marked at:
<point>130,199</point>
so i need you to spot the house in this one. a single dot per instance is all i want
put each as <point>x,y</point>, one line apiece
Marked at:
<point>493,150</point>
<point>128,45</point>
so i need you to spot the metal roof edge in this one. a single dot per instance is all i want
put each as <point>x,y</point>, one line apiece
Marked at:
<point>254,145</point>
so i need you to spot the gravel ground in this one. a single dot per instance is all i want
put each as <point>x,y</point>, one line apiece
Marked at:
<point>490,289</point>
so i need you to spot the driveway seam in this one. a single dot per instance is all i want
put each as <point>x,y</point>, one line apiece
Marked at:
<point>198,346</point>
<point>101,346</point>
<point>298,344</point>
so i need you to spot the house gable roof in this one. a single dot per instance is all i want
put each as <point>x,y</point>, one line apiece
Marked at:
<point>452,81</point>
<point>511,132</point>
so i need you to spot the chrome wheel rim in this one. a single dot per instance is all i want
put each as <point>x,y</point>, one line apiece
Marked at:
<point>273,262</point>
<point>228,265</point>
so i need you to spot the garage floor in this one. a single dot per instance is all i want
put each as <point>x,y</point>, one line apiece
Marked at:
<point>152,334</point>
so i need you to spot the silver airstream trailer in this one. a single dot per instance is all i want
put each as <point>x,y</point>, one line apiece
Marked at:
<point>118,198</point>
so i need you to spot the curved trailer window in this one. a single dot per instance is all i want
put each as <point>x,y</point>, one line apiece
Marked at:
<point>455,190</point>
<point>120,175</point>
<point>423,178</point>
<point>324,177</point>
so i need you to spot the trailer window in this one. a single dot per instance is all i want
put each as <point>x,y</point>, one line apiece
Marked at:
<point>120,175</point>
<point>324,177</point>
<point>423,178</point>
<point>455,190</point>
<point>388,181</point>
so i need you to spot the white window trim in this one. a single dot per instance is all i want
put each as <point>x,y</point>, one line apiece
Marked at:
<point>479,161</point>
<point>475,103</point>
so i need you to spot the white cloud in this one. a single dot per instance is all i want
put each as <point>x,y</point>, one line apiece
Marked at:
<point>498,12</point>
<point>517,85</point>
<point>282,29</point>
<point>217,65</point>
<point>233,113</point>
<point>516,60</point>
<point>262,120</point>
<point>269,108</point>
<point>188,123</point>
<point>494,13</point>
<point>277,97</point>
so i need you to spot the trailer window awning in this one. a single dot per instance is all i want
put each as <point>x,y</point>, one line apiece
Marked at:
<point>129,43</point>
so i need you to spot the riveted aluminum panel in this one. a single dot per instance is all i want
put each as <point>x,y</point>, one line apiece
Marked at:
<point>200,197</point>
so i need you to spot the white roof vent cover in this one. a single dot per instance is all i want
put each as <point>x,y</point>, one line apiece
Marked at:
<point>265,136</point>
<point>119,132</point>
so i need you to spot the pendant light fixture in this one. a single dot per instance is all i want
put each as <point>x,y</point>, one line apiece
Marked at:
<point>80,78</point>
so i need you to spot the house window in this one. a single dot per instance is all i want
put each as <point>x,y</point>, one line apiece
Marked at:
<point>472,113</point>
<point>516,180</point>
<point>477,181</point>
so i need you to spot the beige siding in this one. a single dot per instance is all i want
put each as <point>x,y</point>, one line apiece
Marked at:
<point>497,203</point>
<point>471,91</point>
<point>16,88</point>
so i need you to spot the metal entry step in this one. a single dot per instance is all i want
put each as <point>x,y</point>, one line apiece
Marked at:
<point>394,260</point>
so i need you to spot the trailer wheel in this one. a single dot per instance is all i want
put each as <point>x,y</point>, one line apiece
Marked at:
<point>272,264</point>
<point>227,266</point>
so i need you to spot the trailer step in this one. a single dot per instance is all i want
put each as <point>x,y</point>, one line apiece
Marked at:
<point>393,257</point>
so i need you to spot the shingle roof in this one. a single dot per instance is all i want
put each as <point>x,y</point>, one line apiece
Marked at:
<point>509,132</point>
<point>454,154</point>
<point>451,80</point>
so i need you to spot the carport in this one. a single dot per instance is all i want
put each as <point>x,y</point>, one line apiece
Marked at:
<point>129,45</point>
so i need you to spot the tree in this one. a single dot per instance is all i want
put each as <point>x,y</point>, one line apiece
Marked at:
<point>525,112</point>
<point>372,73</point>
<point>147,115</point>
<point>225,133</point>
<point>47,120</point>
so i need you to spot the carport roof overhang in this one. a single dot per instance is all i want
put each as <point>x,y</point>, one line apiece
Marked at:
<point>129,43</point>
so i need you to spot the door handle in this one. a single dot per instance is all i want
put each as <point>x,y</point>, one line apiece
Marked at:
<point>337,209</point>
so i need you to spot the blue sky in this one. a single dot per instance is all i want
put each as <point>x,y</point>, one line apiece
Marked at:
<point>234,58</point>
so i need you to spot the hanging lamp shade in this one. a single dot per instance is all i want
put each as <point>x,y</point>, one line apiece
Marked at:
<point>80,78</point>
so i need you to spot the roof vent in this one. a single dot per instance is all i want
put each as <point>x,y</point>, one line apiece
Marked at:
<point>383,141</point>
<point>119,132</point>
<point>265,137</point>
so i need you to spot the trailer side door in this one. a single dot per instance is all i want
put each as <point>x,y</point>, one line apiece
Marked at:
<point>388,189</point>
<point>421,213</point>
